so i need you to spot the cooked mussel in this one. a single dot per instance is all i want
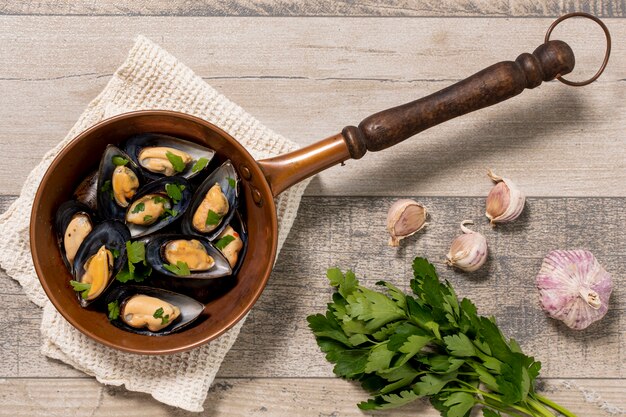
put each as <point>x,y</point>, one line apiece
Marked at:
<point>98,260</point>
<point>151,311</point>
<point>119,179</point>
<point>73,223</point>
<point>157,205</point>
<point>232,242</point>
<point>213,204</point>
<point>186,256</point>
<point>161,155</point>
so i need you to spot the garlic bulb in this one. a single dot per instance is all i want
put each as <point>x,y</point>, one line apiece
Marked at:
<point>468,252</point>
<point>404,218</point>
<point>574,288</point>
<point>505,201</point>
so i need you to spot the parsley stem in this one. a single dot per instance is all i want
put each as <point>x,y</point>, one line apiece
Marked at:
<point>502,409</point>
<point>495,397</point>
<point>555,406</point>
<point>539,407</point>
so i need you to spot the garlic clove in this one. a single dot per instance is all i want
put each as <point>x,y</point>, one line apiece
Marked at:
<point>405,218</point>
<point>505,201</point>
<point>468,251</point>
<point>574,287</point>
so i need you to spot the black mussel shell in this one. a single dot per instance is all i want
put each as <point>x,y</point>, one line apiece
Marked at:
<point>64,216</point>
<point>238,225</point>
<point>107,207</point>
<point>190,309</point>
<point>156,257</point>
<point>111,233</point>
<point>159,187</point>
<point>87,191</point>
<point>134,145</point>
<point>227,177</point>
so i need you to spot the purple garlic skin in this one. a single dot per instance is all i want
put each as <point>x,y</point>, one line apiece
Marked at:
<point>574,287</point>
<point>405,218</point>
<point>468,251</point>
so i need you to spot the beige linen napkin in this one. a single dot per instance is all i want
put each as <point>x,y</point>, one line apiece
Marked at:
<point>150,78</point>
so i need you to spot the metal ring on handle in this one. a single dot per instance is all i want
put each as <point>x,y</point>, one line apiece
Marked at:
<point>606,55</point>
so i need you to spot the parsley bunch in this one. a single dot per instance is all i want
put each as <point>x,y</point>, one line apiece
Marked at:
<point>401,347</point>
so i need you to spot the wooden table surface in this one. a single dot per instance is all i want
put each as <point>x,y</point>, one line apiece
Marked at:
<point>306,69</point>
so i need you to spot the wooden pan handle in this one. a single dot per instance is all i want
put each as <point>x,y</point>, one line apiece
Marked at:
<point>492,85</point>
<point>382,130</point>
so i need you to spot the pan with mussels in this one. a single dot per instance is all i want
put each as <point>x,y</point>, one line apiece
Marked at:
<point>153,234</point>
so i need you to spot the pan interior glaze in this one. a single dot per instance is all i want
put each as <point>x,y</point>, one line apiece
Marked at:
<point>80,157</point>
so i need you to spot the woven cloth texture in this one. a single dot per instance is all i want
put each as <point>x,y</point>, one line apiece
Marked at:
<point>150,78</point>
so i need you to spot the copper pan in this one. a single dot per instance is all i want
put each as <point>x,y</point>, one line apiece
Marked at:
<point>261,182</point>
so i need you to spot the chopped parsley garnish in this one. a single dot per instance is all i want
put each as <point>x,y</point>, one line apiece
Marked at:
<point>212,218</point>
<point>176,161</point>
<point>119,161</point>
<point>158,314</point>
<point>174,191</point>
<point>138,208</point>
<point>81,287</point>
<point>115,253</point>
<point>171,212</point>
<point>181,268</point>
<point>199,165</point>
<point>231,182</point>
<point>136,269</point>
<point>107,188</point>
<point>225,241</point>
<point>147,218</point>
<point>114,310</point>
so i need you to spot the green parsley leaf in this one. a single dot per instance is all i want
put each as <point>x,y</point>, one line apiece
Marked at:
<point>158,314</point>
<point>147,218</point>
<point>136,268</point>
<point>107,188</point>
<point>459,403</point>
<point>81,287</point>
<point>115,253</point>
<point>176,161</point>
<point>174,191</point>
<point>459,345</point>
<point>136,252</point>
<point>225,241</point>
<point>487,412</point>
<point>181,268</point>
<point>171,212</point>
<point>139,207</point>
<point>213,218</point>
<point>199,165</point>
<point>119,161</point>
<point>160,200</point>
<point>114,310</point>
<point>231,182</point>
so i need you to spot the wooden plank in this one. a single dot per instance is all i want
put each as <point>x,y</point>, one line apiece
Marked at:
<point>350,233</point>
<point>513,8</point>
<point>312,397</point>
<point>317,76</point>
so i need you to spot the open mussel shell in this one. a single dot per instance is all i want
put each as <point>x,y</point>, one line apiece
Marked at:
<point>108,207</point>
<point>190,309</point>
<point>136,144</point>
<point>87,191</point>
<point>177,210</point>
<point>155,255</point>
<point>238,225</point>
<point>113,235</point>
<point>226,176</point>
<point>84,222</point>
